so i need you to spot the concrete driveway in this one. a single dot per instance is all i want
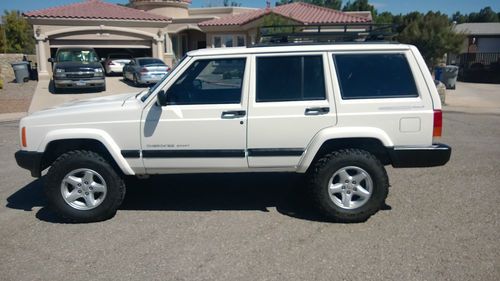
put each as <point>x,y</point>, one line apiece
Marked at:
<point>45,97</point>
<point>474,98</point>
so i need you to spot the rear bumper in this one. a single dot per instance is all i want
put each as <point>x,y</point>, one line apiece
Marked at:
<point>428,156</point>
<point>31,161</point>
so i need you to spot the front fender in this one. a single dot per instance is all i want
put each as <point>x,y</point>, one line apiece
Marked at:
<point>94,134</point>
<point>331,133</point>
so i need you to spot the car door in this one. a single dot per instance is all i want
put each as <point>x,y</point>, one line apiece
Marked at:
<point>203,126</point>
<point>291,100</point>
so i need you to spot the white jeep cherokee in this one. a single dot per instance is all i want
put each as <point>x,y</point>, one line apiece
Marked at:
<point>337,113</point>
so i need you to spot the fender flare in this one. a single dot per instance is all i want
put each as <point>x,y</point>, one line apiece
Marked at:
<point>332,133</point>
<point>94,134</point>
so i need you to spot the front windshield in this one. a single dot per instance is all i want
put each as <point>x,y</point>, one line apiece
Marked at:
<point>152,89</point>
<point>77,55</point>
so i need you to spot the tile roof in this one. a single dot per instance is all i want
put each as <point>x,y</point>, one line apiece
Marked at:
<point>298,11</point>
<point>95,9</point>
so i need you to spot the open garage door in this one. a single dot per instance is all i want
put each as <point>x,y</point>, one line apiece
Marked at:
<point>136,48</point>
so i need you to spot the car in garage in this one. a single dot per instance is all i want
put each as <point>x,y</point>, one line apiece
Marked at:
<point>145,70</point>
<point>115,62</point>
<point>77,67</point>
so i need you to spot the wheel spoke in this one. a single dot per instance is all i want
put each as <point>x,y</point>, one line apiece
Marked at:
<point>361,191</point>
<point>88,177</point>
<point>359,177</point>
<point>72,180</point>
<point>343,175</point>
<point>346,199</point>
<point>97,187</point>
<point>71,197</point>
<point>335,188</point>
<point>89,200</point>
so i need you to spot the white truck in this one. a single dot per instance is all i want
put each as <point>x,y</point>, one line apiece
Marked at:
<point>336,112</point>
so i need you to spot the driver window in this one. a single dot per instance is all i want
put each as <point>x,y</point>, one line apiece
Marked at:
<point>211,81</point>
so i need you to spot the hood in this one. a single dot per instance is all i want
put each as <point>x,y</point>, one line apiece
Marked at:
<point>91,107</point>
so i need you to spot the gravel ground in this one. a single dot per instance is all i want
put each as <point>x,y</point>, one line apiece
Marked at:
<point>441,223</point>
<point>16,97</point>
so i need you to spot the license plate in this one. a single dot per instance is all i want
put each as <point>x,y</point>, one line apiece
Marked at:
<point>81,83</point>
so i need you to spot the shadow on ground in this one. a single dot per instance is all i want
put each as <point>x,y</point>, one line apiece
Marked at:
<point>198,192</point>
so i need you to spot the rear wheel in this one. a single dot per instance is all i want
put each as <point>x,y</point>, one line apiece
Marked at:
<point>82,186</point>
<point>349,185</point>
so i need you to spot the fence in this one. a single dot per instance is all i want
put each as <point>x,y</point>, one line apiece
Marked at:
<point>479,67</point>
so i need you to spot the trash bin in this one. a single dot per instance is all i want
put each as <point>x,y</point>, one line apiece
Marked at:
<point>438,71</point>
<point>449,76</point>
<point>21,71</point>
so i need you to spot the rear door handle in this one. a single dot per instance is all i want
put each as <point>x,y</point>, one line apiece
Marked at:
<point>317,110</point>
<point>233,114</point>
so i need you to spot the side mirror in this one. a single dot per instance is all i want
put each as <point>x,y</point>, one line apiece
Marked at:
<point>161,98</point>
<point>51,60</point>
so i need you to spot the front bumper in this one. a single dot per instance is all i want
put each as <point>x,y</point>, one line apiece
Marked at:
<point>80,83</point>
<point>428,156</point>
<point>30,160</point>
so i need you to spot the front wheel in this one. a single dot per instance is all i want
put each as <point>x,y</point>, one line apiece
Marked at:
<point>83,187</point>
<point>349,185</point>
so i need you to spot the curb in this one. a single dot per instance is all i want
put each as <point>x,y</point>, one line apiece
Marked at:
<point>7,117</point>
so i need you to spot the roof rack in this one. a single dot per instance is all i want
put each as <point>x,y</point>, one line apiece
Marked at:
<point>326,33</point>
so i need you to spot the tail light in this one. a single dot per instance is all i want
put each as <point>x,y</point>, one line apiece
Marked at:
<point>438,123</point>
<point>24,143</point>
<point>168,69</point>
<point>111,63</point>
<point>144,69</point>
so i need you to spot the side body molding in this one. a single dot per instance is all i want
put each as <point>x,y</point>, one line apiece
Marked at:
<point>332,133</point>
<point>94,134</point>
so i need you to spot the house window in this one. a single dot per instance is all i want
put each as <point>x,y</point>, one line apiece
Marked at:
<point>228,40</point>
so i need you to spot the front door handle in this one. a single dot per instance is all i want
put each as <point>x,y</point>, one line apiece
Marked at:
<point>317,110</point>
<point>233,114</point>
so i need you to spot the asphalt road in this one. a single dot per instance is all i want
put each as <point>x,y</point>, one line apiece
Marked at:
<point>440,224</point>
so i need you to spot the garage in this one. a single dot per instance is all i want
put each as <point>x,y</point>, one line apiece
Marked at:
<point>106,27</point>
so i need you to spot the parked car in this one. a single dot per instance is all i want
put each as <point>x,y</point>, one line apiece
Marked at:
<point>115,62</point>
<point>337,113</point>
<point>145,70</point>
<point>77,68</point>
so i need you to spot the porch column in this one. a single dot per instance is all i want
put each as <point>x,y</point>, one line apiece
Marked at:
<point>41,56</point>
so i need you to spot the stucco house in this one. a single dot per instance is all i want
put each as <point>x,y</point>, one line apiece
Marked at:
<point>166,29</point>
<point>479,59</point>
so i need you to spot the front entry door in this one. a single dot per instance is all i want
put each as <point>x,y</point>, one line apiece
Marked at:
<point>203,126</point>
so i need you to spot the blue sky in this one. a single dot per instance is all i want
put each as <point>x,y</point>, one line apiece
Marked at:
<point>394,6</point>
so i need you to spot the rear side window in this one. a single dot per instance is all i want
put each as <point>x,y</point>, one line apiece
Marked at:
<point>368,76</point>
<point>290,78</point>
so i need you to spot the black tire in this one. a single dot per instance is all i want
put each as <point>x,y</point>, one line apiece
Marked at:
<point>57,90</point>
<point>327,166</point>
<point>102,89</point>
<point>79,159</point>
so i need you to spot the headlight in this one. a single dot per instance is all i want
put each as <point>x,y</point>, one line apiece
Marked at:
<point>98,70</point>
<point>60,70</point>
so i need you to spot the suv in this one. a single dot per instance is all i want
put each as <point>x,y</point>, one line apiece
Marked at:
<point>338,113</point>
<point>77,68</point>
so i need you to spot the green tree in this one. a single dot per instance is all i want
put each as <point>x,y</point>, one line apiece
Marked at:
<point>332,4</point>
<point>360,5</point>
<point>385,17</point>
<point>19,34</point>
<point>432,34</point>
<point>485,15</point>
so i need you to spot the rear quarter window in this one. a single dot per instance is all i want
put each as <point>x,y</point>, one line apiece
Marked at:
<point>371,76</point>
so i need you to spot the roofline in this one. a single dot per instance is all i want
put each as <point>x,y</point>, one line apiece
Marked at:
<point>168,20</point>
